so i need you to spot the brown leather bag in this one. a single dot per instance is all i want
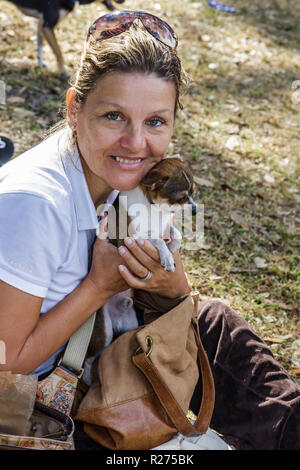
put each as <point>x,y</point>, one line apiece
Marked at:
<point>147,377</point>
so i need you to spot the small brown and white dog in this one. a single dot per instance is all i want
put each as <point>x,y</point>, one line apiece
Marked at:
<point>49,14</point>
<point>148,208</point>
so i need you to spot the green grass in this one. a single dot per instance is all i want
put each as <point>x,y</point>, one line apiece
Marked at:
<point>238,132</point>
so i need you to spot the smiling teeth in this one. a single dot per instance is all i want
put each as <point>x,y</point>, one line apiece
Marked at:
<point>124,160</point>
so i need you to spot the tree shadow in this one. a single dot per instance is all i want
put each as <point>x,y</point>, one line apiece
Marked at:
<point>276,19</point>
<point>34,98</point>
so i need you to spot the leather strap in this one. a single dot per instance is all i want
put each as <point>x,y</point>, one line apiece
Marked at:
<point>167,399</point>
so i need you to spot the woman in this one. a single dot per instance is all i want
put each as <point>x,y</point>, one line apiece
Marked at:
<point>120,119</point>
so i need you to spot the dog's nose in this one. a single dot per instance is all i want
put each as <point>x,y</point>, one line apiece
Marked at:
<point>194,206</point>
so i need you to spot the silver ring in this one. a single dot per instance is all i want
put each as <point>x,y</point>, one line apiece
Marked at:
<point>149,275</point>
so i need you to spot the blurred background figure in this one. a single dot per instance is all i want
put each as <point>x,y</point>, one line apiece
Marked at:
<point>6,150</point>
<point>110,5</point>
<point>49,14</point>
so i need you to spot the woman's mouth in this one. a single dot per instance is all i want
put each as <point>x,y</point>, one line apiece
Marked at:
<point>127,163</point>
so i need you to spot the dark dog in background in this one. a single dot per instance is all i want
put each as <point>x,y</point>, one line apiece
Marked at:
<point>49,13</point>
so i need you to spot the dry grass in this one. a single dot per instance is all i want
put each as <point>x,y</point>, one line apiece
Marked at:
<point>238,131</point>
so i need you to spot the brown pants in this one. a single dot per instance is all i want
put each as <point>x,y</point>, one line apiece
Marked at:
<point>257,403</point>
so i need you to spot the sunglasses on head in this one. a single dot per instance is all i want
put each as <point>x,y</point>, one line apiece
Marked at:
<point>113,24</point>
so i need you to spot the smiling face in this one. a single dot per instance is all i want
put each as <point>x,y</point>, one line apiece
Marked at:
<point>123,129</point>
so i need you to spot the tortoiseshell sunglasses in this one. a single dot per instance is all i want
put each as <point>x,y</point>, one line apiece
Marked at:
<point>113,24</point>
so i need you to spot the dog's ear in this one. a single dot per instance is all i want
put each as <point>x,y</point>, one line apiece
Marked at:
<point>153,180</point>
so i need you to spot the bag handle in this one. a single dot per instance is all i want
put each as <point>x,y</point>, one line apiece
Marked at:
<point>167,399</point>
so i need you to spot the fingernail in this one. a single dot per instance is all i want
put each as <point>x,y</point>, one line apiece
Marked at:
<point>122,250</point>
<point>128,241</point>
<point>141,242</point>
<point>121,267</point>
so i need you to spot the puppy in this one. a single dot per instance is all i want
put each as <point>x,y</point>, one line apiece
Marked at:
<point>49,14</point>
<point>168,183</point>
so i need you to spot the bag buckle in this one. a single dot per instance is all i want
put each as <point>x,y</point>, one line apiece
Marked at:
<point>149,343</point>
<point>77,373</point>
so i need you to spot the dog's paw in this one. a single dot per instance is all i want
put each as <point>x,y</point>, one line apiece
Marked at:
<point>169,264</point>
<point>166,260</point>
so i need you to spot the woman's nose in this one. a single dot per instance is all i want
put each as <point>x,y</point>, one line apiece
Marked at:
<point>133,139</point>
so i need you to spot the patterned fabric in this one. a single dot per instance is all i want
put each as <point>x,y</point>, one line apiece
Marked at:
<point>58,390</point>
<point>34,443</point>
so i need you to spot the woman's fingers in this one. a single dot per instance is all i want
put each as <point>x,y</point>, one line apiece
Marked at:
<point>132,263</point>
<point>137,259</point>
<point>130,279</point>
<point>170,284</point>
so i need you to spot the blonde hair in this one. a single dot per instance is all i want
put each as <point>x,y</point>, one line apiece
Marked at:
<point>134,51</point>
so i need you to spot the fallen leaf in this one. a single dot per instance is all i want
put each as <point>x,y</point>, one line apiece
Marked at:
<point>276,339</point>
<point>269,179</point>
<point>233,129</point>
<point>232,142</point>
<point>213,124</point>
<point>239,219</point>
<point>260,262</point>
<point>284,306</point>
<point>203,182</point>
<point>15,99</point>
<point>206,246</point>
<point>296,354</point>
<point>22,112</point>
<point>214,278</point>
<point>197,166</point>
<point>195,272</point>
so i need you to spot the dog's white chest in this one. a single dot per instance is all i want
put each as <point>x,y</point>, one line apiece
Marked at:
<point>147,220</point>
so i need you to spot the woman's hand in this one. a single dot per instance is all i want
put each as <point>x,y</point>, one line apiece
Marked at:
<point>140,257</point>
<point>104,272</point>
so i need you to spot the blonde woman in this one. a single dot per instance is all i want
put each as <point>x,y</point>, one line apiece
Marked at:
<point>120,118</point>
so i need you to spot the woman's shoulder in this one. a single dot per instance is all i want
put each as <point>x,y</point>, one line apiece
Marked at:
<point>39,171</point>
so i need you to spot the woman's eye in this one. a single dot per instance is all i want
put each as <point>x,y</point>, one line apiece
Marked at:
<point>156,122</point>
<point>113,116</point>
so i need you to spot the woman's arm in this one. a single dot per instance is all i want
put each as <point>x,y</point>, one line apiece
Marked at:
<point>30,338</point>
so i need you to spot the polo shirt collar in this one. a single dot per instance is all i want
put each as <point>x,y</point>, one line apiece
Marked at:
<point>86,214</point>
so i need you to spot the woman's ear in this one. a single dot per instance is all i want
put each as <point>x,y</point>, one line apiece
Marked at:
<point>72,107</point>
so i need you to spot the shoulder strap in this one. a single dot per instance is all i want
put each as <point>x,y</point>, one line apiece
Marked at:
<point>77,347</point>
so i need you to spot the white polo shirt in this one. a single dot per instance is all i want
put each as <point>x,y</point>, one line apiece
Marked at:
<point>48,223</point>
